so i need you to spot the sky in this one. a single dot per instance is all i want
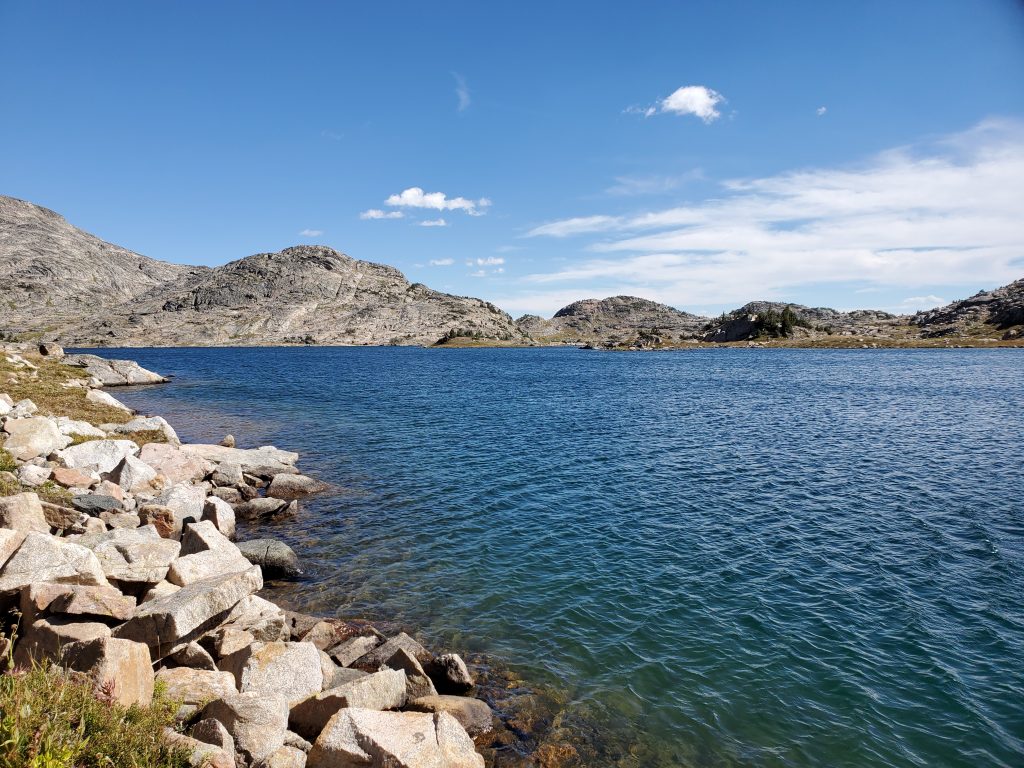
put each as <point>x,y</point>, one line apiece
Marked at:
<point>701,154</point>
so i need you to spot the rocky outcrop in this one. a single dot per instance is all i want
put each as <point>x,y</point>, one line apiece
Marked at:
<point>77,289</point>
<point>616,316</point>
<point>1001,309</point>
<point>54,274</point>
<point>763,319</point>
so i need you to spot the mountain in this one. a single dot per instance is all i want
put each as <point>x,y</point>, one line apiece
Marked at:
<point>50,269</point>
<point>616,316</point>
<point>70,286</point>
<point>753,320</point>
<point>1002,309</point>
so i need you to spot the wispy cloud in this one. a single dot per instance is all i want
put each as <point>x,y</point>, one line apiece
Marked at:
<point>311,233</point>
<point>633,186</point>
<point>820,111</point>
<point>946,212</point>
<point>915,303</point>
<point>433,223</point>
<point>332,135</point>
<point>697,100</point>
<point>415,197</point>
<point>377,213</point>
<point>490,261</point>
<point>461,91</point>
<point>441,262</point>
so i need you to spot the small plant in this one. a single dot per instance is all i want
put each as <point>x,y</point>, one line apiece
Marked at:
<point>7,461</point>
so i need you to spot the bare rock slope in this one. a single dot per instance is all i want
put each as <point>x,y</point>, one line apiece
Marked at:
<point>66,284</point>
<point>591,319</point>
<point>53,270</point>
<point>1002,308</point>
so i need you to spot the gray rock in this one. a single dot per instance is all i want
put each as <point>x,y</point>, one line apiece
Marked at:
<point>262,508</point>
<point>132,475</point>
<point>186,501</point>
<point>347,651</point>
<point>115,519</point>
<point>23,512</point>
<point>168,622</point>
<point>42,557</point>
<point>162,518</point>
<point>45,637</point>
<point>100,397</point>
<point>97,455</point>
<point>364,737</point>
<point>227,474</point>
<point>30,437</point>
<point>374,659</point>
<point>114,373</point>
<point>195,687</point>
<point>220,513</point>
<point>121,667</point>
<point>380,690</point>
<point>33,475</point>
<point>229,495</point>
<point>288,486</point>
<point>51,349</point>
<point>64,518</point>
<point>137,556</point>
<point>450,674</point>
<point>94,504</point>
<point>102,602</point>
<point>228,640</point>
<point>264,620</point>
<point>257,722</point>
<point>71,427</point>
<point>417,683</point>
<point>210,731</point>
<point>174,463</point>
<point>246,458</point>
<point>276,558</point>
<point>199,753</point>
<point>145,424</point>
<point>22,409</point>
<point>195,656</point>
<point>10,540</point>
<point>290,670</point>
<point>474,715</point>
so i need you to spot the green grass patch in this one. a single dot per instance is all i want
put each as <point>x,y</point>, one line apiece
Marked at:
<point>52,719</point>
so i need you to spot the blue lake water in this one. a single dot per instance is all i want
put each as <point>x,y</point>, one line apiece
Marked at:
<point>724,557</point>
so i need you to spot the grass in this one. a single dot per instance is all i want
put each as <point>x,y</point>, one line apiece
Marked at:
<point>6,461</point>
<point>45,387</point>
<point>50,718</point>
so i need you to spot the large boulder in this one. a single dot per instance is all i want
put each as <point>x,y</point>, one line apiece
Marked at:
<point>114,373</point>
<point>103,602</point>
<point>185,501</point>
<point>137,555</point>
<point>290,670</point>
<point>381,690</point>
<point>375,658</point>
<point>132,475</point>
<point>169,622</point>
<point>257,722</point>
<point>289,486</point>
<point>365,737</point>
<point>266,459</point>
<point>144,424</point>
<point>276,558</point>
<point>347,651</point>
<point>100,397</point>
<point>474,715</point>
<point>45,637</point>
<point>95,504</point>
<point>23,512</point>
<point>42,557</point>
<point>261,618</point>
<point>33,475</point>
<point>97,455</point>
<point>174,463</point>
<point>450,673</point>
<point>417,683</point>
<point>10,540</point>
<point>200,754</point>
<point>32,437</point>
<point>262,508</point>
<point>221,514</point>
<point>72,427</point>
<point>195,687</point>
<point>120,669</point>
<point>73,478</point>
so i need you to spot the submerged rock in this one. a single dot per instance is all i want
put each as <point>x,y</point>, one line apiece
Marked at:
<point>276,558</point>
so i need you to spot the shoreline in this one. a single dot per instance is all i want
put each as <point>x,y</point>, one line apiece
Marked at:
<point>187,497</point>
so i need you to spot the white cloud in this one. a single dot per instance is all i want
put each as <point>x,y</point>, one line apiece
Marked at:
<point>489,261</point>
<point>946,213</point>
<point>696,100</point>
<point>311,233</point>
<point>376,213</point>
<point>415,197</point>
<point>332,135</point>
<point>479,273</point>
<point>433,223</point>
<point>821,111</point>
<point>461,91</point>
<point>630,186</point>
<point>441,262</point>
<point>578,226</point>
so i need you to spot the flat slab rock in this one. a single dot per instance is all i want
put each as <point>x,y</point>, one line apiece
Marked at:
<point>114,373</point>
<point>363,737</point>
<point>381,690</point>
<point>246,458</point>
<point>42,557</point>
<point>289,670</point>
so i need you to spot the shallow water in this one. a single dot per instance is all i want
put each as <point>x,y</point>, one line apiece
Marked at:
<point>726,557</point>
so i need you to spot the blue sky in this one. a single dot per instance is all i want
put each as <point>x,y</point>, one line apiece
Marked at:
<point>866,154</point>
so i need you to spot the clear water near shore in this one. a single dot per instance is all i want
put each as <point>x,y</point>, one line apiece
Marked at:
<point>726,557</point>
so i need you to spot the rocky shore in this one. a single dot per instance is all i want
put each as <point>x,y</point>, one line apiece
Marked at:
<point>119,561</point>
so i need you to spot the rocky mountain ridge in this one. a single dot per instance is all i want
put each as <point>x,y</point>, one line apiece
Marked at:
<point>94,293</point>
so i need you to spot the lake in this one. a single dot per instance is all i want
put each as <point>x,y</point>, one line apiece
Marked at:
<point>721,557</point>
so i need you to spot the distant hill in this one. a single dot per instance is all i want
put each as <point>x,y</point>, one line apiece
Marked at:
<point>1002,309</point>
<point>70,286</point>
<point>592,319</point>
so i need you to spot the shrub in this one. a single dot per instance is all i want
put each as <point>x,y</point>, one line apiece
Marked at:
<point>50,718</point>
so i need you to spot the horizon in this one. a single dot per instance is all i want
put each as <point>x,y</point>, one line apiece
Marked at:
<point>867,159</point>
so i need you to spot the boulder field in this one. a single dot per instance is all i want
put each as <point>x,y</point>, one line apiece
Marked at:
<point>120,562</point>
